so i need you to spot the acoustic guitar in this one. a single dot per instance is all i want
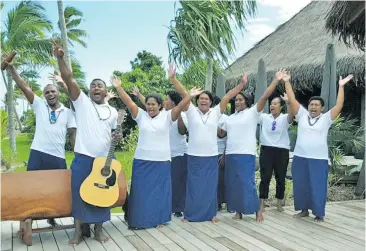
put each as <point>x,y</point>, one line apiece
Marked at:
<point>101,187</point>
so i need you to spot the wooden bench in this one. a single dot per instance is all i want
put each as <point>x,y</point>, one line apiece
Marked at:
<point>37,195</point>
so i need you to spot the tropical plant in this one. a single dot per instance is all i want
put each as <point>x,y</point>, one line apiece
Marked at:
<point>73,18</point>
<point>204,30</point>
<point>25,31</point>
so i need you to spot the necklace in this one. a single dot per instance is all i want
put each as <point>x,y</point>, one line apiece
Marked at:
<point>52,115</point>
<point>201,115</point>
<point>109,109</point>
<point>309,120</point>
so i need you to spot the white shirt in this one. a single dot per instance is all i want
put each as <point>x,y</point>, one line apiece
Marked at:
<point>153,143</point>
<point>275,135</point>
<point>51,138</point>
<point>221,143</point>
<point>312,140</point>
<point>95,123</point>
<point>241,130</point>
<point>178,142</point>
<point>203,131</point>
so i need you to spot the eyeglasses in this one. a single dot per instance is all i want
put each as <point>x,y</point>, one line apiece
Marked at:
<point>273,125</point>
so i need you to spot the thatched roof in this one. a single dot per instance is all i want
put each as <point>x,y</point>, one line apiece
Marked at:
<point>299,45</point>
<point>346,19</point>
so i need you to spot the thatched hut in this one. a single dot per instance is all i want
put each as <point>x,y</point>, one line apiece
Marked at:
<point>299,45</point>
<point>346,19</point>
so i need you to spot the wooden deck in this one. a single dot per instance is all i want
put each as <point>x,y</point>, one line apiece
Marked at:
<point>343,229</point>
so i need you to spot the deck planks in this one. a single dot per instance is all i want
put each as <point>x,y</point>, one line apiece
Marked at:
<point>343,229</point>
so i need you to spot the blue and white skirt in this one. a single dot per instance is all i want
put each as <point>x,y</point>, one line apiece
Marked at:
<point>179,182</point>
<point>241,191</point>
<point>81,167</point>
<point>150,199</point>
<point>310,181</point>
<point>201,197</point>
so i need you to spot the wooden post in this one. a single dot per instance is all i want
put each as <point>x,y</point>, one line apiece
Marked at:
<point>220,86</point>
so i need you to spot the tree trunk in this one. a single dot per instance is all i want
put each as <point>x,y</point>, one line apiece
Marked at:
<point>63,29</point>
<point>18,119</point>
<point>209,73</point>
<point>11,128</point>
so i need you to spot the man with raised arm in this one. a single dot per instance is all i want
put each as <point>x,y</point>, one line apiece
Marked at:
<point>53,122</point>
<point>310,162</point>
<point>96,120</point>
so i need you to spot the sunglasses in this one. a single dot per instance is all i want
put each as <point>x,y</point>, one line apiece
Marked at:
<point>273,125</point>
<point>53,117</point>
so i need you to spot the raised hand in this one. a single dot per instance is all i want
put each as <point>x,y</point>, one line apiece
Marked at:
<point>284,97</point>
<point>7,60</point>
<point>58,52</point>
<point>171,71</point>
<point>135,91</point>
<point>280,74</point>
<point>57,78</point>
<point>110,95</point>
<point>286,76</point>
<point>115,81</point>
<point>195,92</point>
<point>344,81</point>
<point>244,79</point>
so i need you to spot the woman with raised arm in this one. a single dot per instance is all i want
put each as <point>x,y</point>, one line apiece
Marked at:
<point>310,162</point>
<point>202,175</point>
<point>275,149</point>
<point>150,200</point>
<point>240,153</point>
<point>178,150</point>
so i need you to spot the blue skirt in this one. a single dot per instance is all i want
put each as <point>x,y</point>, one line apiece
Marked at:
<point>44,161</point>
<point>179,181</point>
<point>310,181</point>
<point>241,190</point>
<point>81,167</point>
<point>150,199</point>
<point>221,185</point>
<point>201,200</point>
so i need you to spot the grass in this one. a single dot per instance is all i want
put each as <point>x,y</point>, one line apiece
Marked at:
<point>23,149</point>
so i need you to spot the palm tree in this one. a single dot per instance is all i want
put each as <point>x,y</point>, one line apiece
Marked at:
<point>62,26</point>
<point>25,29</point>
<point>203,30</point>
<point>73,18</point>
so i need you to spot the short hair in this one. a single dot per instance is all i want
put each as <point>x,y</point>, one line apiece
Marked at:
<point>317,98</point>
<point>51,85</point>
<point>216,100</point>
<point>98,79</point>
<point>247,99</point>
<point>157,98</point>
<point>209,94</point>
<point>174,96</point>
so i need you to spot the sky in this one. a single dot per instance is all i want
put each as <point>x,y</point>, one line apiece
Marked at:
<point>118,30</point>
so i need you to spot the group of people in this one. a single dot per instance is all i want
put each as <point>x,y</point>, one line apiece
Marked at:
<point>189,159</point>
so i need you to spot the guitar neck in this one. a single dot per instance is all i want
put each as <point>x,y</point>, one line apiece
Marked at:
<point>112,148</point>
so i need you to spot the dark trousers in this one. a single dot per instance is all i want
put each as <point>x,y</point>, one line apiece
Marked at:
<point>273,159</point>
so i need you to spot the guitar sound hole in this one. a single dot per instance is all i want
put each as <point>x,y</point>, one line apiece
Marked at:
<point>111,181</point>
<point>105,172</point>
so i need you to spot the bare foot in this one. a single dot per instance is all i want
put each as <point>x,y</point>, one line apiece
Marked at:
<point>319,219</point>
<point>160,226</point>
<point>184,220</point>
<point>279,206</point>
<point>77,235</point>
<point>259,216</point>
<point>214,220</point>
<point>99,236</point>
<point>237,216</point>
<point>304,213</point>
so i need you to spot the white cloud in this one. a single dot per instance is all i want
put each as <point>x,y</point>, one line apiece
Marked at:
<point>258,20</point>
<point>287,8</point>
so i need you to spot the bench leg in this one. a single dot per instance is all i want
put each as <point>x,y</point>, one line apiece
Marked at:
<point>25,231</point>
